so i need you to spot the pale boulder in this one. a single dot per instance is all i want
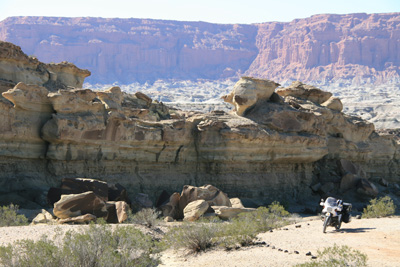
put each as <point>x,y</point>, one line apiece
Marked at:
<point>247,91</point>
<point>195,209</point>
<point>333,103</point>
<point>44,217</point>
<point>236,203</point>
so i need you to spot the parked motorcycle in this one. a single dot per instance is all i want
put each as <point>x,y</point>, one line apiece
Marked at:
<point>335,212</point>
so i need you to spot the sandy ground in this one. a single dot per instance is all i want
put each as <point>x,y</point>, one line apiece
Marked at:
<point>378,238</point>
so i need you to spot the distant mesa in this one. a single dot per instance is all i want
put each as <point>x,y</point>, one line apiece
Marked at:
<point>322,49</point>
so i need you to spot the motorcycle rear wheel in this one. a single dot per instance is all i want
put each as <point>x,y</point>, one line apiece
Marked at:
<point>326,223</point>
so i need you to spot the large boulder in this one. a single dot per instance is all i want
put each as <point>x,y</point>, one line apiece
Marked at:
<point>80,185</point>
<point>247,91</point>
<point>195,209</point>
<point>209,193</point>
<point>74,205</point>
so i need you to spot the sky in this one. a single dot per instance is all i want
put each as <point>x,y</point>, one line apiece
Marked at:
<point>215,11</point>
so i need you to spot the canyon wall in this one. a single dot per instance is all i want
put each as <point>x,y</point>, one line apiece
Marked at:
<point>353,48</point>
<point>285,145</point>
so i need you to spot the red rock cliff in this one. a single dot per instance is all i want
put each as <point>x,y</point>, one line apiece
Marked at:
<point>319,49</point>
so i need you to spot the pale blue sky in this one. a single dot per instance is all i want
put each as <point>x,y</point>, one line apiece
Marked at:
<point>217,11</point>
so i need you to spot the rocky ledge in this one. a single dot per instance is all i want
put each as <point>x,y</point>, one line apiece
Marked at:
<point>290,144</point>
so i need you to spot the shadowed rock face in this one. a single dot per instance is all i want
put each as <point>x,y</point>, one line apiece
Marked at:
<point>322,48</point>
<point>275,151</point>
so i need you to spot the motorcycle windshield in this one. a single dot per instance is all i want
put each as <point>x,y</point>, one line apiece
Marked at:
<point>330,201</point>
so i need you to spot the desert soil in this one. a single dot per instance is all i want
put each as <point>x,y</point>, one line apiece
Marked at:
<point>378,238</point>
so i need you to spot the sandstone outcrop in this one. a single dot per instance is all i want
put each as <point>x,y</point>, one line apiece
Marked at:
<point>276,150</point>
<point>17,66</point>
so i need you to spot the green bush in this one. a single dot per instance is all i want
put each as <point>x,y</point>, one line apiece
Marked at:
<point>195,237</point>
<point>146,217</point>
<point>9,216</point>
<point>240,231</point>
<point>337,256</point>
<point>381,207</point>
<point>98,245</point>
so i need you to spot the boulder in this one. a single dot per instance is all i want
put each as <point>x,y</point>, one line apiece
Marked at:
<point>383,182</point>
<point>81,185</point>
<point>112,212</point>
<point>111,98</point>
<point>367,188</point>
<point>44,217</point>
<point>171,207</point>
<point>333,103</point>
<point>117,211</point>
<point>236,203</point>
<point>78,219</point>
<point>304,91</point>
<point>349,181</point>
<point>195,209</point>
<point>80,204</point>
<point>209,193</point>
<point>247,91</point>
<point>122,209</point>
<point>226,213</point>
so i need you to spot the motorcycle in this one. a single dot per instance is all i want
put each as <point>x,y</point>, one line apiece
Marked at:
<point>334,212</point>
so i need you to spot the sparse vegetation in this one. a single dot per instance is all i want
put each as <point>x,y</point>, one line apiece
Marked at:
<point>98,245</point>
<point>240,231</point>
<point>381,207</point>
<point>337,256</point>
<point>10,217</point>
<point>146,217</point>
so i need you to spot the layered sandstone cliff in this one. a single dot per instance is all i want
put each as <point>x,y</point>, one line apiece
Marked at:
<point>353,48</point>
<point>284,145</point>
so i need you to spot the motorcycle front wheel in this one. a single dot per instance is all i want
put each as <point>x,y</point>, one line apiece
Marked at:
<point>338,225</point>
<point>326,223</point>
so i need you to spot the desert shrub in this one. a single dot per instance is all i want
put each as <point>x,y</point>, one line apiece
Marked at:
<point>381,207</point>
<point>9,216</point>
<point>97,245</point>
<point>147,217</point>
<point>337,256</point>
<point>195,237</point>
<point>240,231</point>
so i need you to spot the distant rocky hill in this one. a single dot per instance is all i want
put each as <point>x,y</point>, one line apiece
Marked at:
<point>354,48</point>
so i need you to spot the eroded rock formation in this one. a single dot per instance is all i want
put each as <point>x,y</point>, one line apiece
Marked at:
<point>278,149</point>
